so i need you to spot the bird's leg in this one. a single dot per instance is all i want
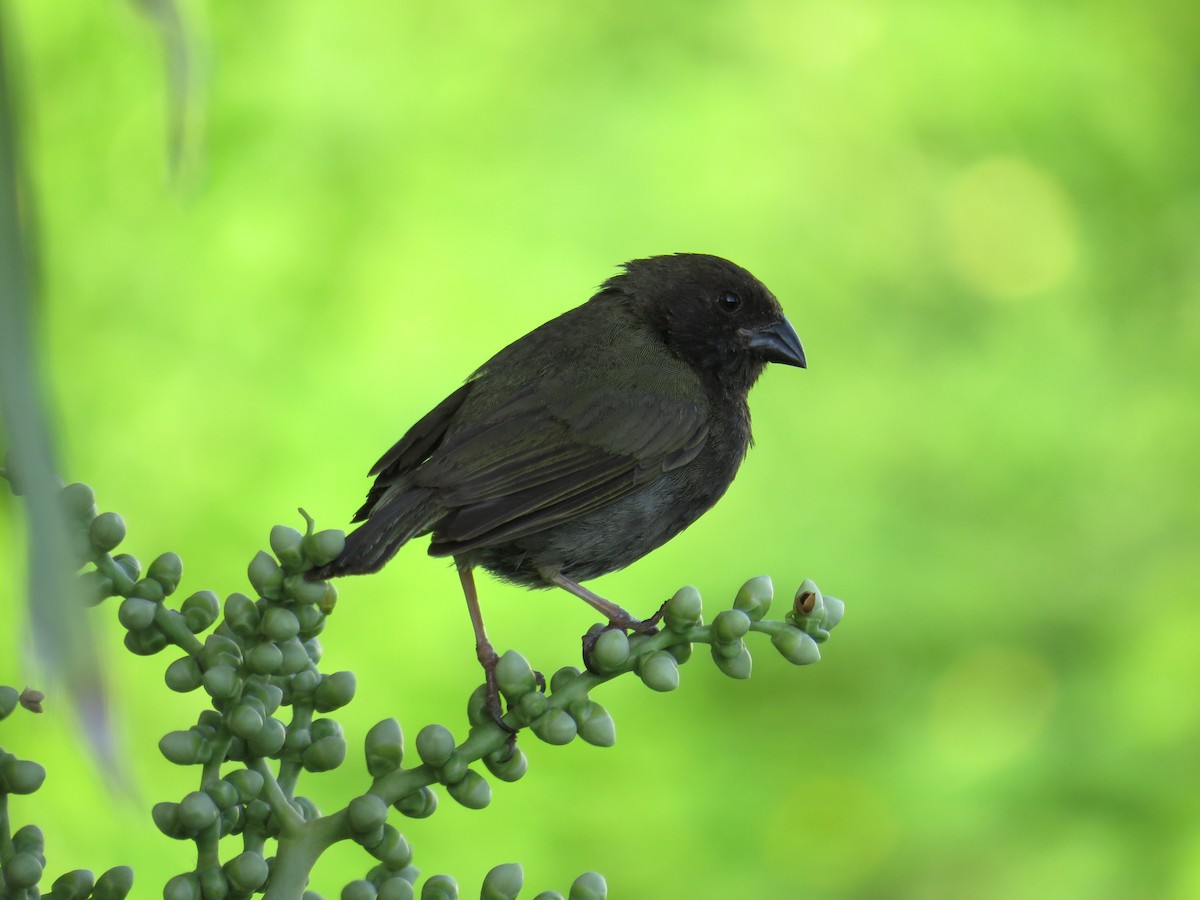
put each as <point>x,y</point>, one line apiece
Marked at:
<point>483,647</point>
<point>617,617</point>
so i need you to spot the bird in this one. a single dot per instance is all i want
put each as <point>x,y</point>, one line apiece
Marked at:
<point>585,444</point>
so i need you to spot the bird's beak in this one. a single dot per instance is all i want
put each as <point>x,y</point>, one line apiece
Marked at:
<point>778,343</point>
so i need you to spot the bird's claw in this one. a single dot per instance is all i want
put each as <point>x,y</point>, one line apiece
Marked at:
<point>489,660</point>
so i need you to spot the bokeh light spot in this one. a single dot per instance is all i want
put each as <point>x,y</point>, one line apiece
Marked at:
<point>1011,228</point>
<point>989,708</point>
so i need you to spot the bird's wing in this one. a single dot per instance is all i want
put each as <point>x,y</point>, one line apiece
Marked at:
<point>412,449</point>
<point>549,455</point>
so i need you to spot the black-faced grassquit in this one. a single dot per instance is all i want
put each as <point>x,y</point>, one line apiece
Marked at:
<point>585,444</point>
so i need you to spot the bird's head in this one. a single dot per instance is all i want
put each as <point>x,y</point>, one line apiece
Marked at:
<point>712,314</point>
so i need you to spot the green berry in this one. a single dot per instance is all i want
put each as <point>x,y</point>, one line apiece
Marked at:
<point>115,884</point>
<point>312,621</point>
<point>681,651</point>
<point>683,609</point>
<point>247,782</point>
<point>74,885</point>
<point>183,675</point>
<point>396,888</point>
<point>507,765</point>
<point>129,565</point>
<point>611,650</point>
<point>514,675</point>
<point>419,804</point>
<point>589,886</point>
<point>834,610</point>
<point>21,776</point>
<point>366,813</point>
<point>269,740</point>
<point>148,589</point>
<point>223,794</point>
<point>220,651</point>
<point>304,591</point>
<point>247,871</point>
<point>295,656</point>
<point>279,624</point>
<point>334,691</point>
<point>477,711</point>
<point>78,501</point>
<point>754,597</point>
<point>594,722</point>
<point>306,808</point>
<point>435,743</point>
<point>146,642</point>
<point>730,625</point>
<point>659,671</point>
<point>440,887</point>
<point>737,666</point>
<point>314,650</point>
<point>393,850</point>
<point>245,721</point>
<point>241,615</point>
<point>200,610</point>
<point>185,748</point>
<point>453,770</point>
<point>328,599</point>
<point>137,613</point>
<point>8,700</point>
<point>555,727</point>
<point>221,682</point>
<point>324,754</point>
<point>106,531</point>
<point>360,889</point>
<point>265,576</point>
<point>325,728</point>
<point>533,705</point>
<point>183,887</point>
<point>324,546</point>
<point>298,740</point>
<point>167,570</point>
<point>384,747</point>
<point>808,605</point>
<point>166,818</point>
<point>304,685</point>
<point>23,870</point>
<point>563,677</point>
<point>728,650</point>
<point>29,839</point>
<point>265,658</point>
<point>285,544</point>
<point>197,811</point>
<point>503,882</point>
<point>796,647</point>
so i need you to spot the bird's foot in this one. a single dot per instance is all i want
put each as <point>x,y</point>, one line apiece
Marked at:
<point>489,660</point>
<point>626,622</point>
<point>622,622</point>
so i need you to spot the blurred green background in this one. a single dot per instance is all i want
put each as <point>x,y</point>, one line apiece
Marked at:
<point>984,221</point>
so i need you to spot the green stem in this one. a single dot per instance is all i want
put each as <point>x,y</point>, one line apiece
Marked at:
<point>6,846</point>
<point>290,821</point>
<point>122,583</point>
<point>298,851</point>
<point>289,769</point>
<point>172,625</point>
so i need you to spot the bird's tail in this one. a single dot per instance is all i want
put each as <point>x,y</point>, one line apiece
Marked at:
<point>392,523</point>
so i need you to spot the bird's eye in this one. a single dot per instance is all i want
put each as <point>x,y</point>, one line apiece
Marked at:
<point>729,302</point>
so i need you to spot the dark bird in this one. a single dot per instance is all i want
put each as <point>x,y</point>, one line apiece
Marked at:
<point>587,443</point>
